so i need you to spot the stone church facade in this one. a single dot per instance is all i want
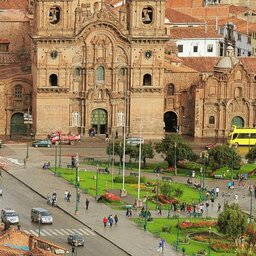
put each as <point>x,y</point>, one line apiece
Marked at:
<point>84,64</point>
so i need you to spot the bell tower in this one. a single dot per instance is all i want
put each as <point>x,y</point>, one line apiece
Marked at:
<point>53,18</point>
<point>148,37</point>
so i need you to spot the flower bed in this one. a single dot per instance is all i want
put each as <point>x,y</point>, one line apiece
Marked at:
<point>110,197</point>
<point>164,200</point>
<point>201,224</point>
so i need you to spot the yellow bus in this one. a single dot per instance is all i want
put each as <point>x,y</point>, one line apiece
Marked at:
<point>242,136</point>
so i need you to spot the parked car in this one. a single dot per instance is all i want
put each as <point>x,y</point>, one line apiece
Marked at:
<point>70,139</point>
<point>9,215</point>
<point>76,240</point>
<point>42,143</point>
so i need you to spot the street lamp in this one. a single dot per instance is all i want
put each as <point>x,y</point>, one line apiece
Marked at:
<point>232,170</point>
<point>157,184</point>
<point>200,190</point>
<point>178,232</point>
<point>209,246</point>
<point>55,162</point>
<point>77,182</point>
<point>27,151</point>
<point>39,224</point>
<point>146,215</point>
<point>205,156</point>
<point>97,185</point>
<point>251,206</point>
<point>175,156</point>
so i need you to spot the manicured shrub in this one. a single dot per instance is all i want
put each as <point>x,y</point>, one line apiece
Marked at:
<point>167,229</point>
<point>129,179</point>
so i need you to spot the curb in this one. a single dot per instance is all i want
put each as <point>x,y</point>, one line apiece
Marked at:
<point>62,209</point>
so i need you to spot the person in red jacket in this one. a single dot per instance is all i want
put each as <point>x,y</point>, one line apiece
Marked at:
<point>105,221</point>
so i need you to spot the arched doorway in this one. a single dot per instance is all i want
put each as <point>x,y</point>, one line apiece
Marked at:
<point>100,121</point>
<point>237,121</point>
<point>170,121</point>
<point>17,125</point>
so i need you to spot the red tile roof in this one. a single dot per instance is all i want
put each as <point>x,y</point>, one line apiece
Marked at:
<point>178,17</point>
<point>249,63</point>
<point>233,9</point>
<point>14,4</point>
<point>201,64</point>
<point>194,32</point>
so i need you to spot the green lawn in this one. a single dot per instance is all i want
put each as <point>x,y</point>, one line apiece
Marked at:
<point>189,245</point>
<point>88,184</point>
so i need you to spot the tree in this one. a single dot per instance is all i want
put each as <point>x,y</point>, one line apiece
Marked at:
<point>251,155</point>
<point>118,149</point>
<point>167,148</point>
<point>232,221</point>
<point>223,156</point>
<point>251,234</point>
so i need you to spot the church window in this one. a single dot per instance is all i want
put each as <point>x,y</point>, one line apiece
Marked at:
<point>75,119</point>
<point>147,79</point>
<point>211,120</point>
<point>54,15</point>
<point>180,48</point>
<point>122,72</point>
<point>77,71</point>
<point>210,48</point>
<point>4,47</point>
<point>54,54</point>
<point>53,79</point>
<point>18,91</point>
<point>147,15</point>
<point>170,90</point>
<point>100,74</point>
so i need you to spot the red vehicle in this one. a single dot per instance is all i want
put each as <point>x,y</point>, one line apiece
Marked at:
<point>64,138</point>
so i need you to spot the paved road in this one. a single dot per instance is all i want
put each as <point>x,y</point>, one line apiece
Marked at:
<point>126,235</point>
<point>20,198</point>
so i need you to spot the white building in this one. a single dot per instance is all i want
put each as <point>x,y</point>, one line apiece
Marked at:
<point>197,41</point>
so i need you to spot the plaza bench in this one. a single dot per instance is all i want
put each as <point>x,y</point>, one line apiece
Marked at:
<point>103,170</point>
<point>167,178</point>
<point>218,176</point>
<point>134,174</point>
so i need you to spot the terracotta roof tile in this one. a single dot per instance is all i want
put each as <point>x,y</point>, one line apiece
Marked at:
<point>178,17</point>
<point>201,64</point>
<point>14,4</point>
<point>249,63</point>
<point>233,9</point>
<point>194,32</point>
<point>8,58</point>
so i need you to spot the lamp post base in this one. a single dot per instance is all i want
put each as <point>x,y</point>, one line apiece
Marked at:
<point>138,203</point>
<point>123,193</point>
<point>76,212</point>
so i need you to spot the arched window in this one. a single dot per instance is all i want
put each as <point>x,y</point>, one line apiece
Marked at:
<point>122,72</point>
<point>100,74</point>
<point>53,79</point>
<point>211,120</point>
<point>18,92</point>
<point>77,71</point>
<point>147,15</point>
<point>54,15</point>
<point>170,90</point>
<point>147,80</point>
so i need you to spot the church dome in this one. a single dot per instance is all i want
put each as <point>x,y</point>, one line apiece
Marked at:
<point>229,61</point>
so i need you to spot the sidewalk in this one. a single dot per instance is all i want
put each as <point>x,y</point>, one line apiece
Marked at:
<point>126,235</point>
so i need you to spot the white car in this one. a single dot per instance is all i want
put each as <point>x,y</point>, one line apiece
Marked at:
<point>9,215</point>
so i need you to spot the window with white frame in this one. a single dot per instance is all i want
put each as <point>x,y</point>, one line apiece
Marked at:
<point>210,48</point>
<point>75,119</point>
<point>180,48</point>
<point>238,37</point>
<point>195,48</point>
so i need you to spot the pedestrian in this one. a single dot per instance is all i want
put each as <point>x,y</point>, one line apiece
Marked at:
<point>130,212</point>
<point>255,190</point>
<point>87,203</point>
<point>236,198</point>
<point>105,221</point>
<point>212,200</point>
<point>219,207</point>
<point>116,219</point>
<point>127,212</point>
<point>161,245</point>
<point>159,209</point>
<point>217,190</point>
<point>110,220</point>
<point>66,195</point>
<point>206,205</point>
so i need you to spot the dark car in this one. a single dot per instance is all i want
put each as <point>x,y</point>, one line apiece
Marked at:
<point>42,143</point>
<point>76,240</point>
